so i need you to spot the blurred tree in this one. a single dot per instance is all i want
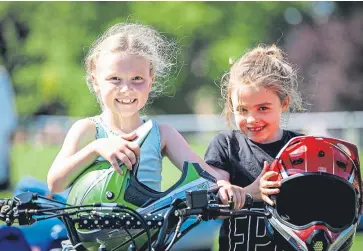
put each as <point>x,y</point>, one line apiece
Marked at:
<point>43,44</point>
<point>327,46</point>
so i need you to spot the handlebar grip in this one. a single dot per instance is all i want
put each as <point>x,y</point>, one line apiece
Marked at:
<point>214,196</point>
<point>6,211</point>
<point>116,221</point>
<point>9,202</point>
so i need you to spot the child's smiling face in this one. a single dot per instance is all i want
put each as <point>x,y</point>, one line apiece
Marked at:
<point>257,112</point>
<point>123,82</point>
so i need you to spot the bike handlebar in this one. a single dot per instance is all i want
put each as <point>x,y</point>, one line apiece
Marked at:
<point>108,215</point>
<point>214,211</point>
<point>117,216</point>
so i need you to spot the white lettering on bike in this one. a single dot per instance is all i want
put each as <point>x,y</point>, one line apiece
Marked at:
<point>258,227</point>
<point>250,237</point>
<point>242,235</point>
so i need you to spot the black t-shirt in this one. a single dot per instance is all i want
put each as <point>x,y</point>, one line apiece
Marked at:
<point>243,159</point>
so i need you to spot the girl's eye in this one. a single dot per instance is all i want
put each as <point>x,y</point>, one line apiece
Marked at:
<point>137,78</point>
<point>263,108</point>
<point>241,109</point>
<point>115,79</point>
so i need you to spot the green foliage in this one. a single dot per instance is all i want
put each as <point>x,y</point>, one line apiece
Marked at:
<point>46,42</point>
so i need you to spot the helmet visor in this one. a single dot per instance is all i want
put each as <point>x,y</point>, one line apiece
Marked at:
<point>311,198</point>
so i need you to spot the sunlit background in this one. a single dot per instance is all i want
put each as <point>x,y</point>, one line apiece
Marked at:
<point>43,44</point>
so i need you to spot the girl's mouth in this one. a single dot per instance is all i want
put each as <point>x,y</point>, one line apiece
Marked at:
<point>255,129</point>
<point>126,101</point>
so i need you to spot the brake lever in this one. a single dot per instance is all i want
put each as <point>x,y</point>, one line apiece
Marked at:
<point>25,198</point>
<point>213,198</point>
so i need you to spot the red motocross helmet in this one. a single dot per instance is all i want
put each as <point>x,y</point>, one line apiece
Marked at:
<point>319,203</point>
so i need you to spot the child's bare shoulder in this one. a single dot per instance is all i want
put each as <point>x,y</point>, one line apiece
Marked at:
<point>83,129</point>
<point>169,135</point>
<point>84,126</point>
<point>167,130</point>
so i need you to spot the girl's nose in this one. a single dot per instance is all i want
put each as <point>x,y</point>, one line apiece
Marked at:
<point>125,86</point>
<point>251,119</point>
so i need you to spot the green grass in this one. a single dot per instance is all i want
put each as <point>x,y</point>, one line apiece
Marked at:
<point>35,161</point>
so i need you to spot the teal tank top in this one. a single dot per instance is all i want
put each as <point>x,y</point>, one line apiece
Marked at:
<point>149,172</point>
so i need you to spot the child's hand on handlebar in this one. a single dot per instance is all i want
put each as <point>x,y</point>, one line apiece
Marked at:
<point>268,187</point>
<point>228,192</point>
<point>118,149</point>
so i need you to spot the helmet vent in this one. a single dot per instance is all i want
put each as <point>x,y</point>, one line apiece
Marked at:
<point>318,246</point>
<point>321,153</point>
<point>341,165</point>
<point>298,161</point>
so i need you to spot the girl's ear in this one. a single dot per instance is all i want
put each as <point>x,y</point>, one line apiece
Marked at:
<point>285,104</point>
<point>152,80</point>
<point>95,84</point>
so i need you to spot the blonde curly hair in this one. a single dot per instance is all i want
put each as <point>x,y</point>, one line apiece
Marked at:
<point>135,39</point>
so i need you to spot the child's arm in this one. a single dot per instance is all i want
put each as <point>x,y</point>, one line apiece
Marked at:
<point>217,157</point>
<point>259,189</point>
<point>175,147</point>
<point>80,149</point>
<point>80,136</point>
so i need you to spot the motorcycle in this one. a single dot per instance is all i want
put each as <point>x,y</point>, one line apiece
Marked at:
<point>130,216</point>
<point>158,229</point>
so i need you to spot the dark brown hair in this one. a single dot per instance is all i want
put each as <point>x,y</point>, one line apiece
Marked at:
<point>264,66</point>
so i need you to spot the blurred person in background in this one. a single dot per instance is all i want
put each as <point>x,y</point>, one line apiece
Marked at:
<point>7,126</point>
<point>259,88</point>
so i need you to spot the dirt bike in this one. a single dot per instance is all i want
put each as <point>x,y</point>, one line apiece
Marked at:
<point>159,229</point>
<point>106,211</point>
